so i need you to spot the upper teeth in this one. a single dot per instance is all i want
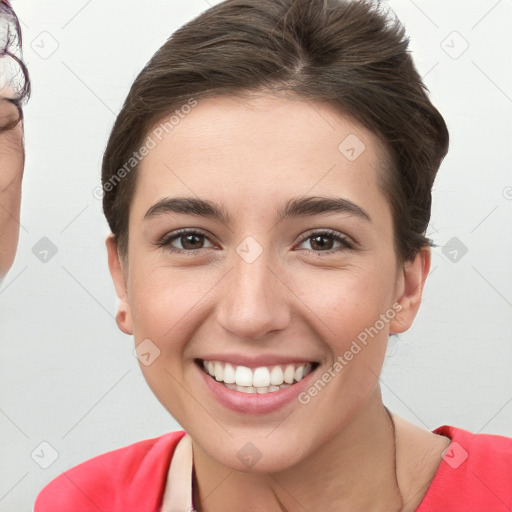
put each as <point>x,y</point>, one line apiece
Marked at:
<point>261,377</point>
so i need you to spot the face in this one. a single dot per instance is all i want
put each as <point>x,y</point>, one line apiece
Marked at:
<point>261,250</point>
<point>11,170</point>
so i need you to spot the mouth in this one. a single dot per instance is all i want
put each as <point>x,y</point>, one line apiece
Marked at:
<point>260,380</point>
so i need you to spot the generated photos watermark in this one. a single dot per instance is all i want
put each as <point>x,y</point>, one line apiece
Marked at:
<point>344,359</point>
<point>150,143</point>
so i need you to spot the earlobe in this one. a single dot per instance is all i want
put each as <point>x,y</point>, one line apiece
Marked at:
<point>123,316</point>
<point>415,273</point>
<point>123,320</point>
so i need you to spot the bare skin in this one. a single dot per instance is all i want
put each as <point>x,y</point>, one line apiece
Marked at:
<point>336,452</point>
<point>419,454</point>
<point>12,158</point>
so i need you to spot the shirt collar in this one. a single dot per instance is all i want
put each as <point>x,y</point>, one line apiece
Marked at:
<point>178,495</point>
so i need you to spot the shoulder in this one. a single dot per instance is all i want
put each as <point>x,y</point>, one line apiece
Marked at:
<point>474,475</point>
<point>130,478</point>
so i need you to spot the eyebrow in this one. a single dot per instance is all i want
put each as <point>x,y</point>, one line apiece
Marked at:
<point>295,207</point>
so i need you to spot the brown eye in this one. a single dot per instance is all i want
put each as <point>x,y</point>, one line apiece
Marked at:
<point>190,241</point>
<point>185,241</point>
<point>322,242</point>
<point>326,242</point>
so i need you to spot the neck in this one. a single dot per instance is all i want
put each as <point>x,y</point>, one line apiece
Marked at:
<point>355,470</point>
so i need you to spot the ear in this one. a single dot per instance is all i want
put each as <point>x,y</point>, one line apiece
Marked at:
<point>413,279</point>
<point>124,316</point>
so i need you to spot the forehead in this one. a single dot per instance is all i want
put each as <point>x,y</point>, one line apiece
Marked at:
<point>257,118</point>
<point>260,147</point>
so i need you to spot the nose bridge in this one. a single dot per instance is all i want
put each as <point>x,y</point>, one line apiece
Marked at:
<point>254,301</point>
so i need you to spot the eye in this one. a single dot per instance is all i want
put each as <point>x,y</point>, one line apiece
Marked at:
<point>185,240</point>
<point>326,241</point>
<point>193,240</point>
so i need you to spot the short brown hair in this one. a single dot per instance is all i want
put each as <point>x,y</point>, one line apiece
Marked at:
<point>351,54</point>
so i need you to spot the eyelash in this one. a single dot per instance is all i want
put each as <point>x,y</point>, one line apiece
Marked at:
<point>166,240</point>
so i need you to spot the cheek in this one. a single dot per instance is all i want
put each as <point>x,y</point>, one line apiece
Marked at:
<point>168,307</point>
<point>347,302</point>
<point>11,150</point>
<point>163,300</point>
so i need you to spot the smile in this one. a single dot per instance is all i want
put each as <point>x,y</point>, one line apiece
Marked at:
<point>261,380</point>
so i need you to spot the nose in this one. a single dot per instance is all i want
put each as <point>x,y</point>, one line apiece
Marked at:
<point>254,302</point>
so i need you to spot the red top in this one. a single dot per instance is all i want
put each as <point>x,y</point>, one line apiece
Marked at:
<point>475,475</point>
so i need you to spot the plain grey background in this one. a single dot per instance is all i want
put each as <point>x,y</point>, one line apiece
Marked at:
<point>68,377</point>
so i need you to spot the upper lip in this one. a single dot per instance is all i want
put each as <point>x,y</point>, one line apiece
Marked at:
<point>256,361</point>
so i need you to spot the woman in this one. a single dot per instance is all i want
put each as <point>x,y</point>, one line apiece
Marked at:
<point>14,90</point>
<point>268,187</point>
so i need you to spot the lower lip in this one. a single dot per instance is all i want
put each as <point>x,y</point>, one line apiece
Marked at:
<point>254,403</point>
